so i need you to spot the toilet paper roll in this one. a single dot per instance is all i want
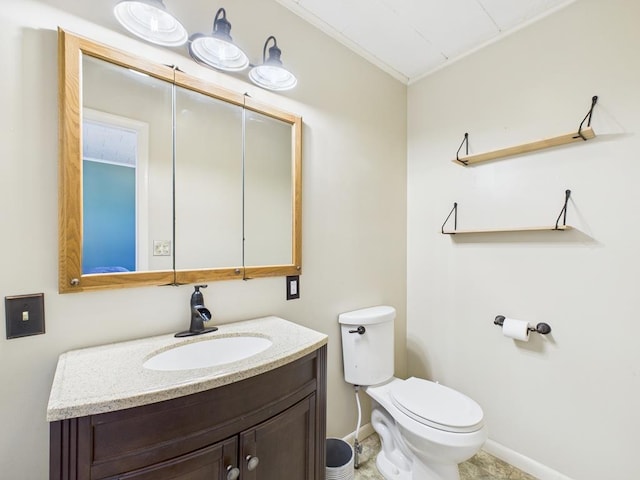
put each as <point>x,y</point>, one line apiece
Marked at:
<point>516,329</point>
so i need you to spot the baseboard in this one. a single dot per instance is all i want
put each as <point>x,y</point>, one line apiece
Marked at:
<point>363,433</point>
<point>526,464</point>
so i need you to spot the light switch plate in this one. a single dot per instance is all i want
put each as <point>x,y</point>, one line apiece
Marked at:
<point>24,315</point>
<point>293,287</point>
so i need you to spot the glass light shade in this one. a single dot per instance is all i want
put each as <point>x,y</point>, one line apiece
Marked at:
<point>217,53</point>
<point>271,74</point>
<point>149,20</point>
<point>273,77</point>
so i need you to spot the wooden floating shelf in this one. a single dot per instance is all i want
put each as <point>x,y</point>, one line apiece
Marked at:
<point>468,160</point>
<point>551,228</point>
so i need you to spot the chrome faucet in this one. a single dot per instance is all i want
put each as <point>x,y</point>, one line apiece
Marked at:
<point>199,315</point>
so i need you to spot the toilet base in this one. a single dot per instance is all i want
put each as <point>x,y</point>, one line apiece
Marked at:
<point>395,460</point>
<point>418,472</point>
<point>389,471</point>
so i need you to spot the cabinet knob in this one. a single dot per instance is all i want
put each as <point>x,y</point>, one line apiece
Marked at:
<point>252,462</point>
<point>232,473</point>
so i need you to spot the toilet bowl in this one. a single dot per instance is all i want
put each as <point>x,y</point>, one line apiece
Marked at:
<point>429,429</point>
<point>426,429</point>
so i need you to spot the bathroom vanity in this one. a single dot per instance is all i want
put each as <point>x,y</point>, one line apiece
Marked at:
<point>260,418</point>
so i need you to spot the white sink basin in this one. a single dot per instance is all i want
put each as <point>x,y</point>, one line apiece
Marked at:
<point>208,353</point>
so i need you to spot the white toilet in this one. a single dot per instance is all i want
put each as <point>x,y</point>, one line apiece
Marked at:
<point>426,429</point>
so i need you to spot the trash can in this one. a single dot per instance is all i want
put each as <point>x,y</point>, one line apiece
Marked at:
<point>339,460</point>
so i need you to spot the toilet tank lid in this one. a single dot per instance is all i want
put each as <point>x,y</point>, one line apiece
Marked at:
<point>368,316</point>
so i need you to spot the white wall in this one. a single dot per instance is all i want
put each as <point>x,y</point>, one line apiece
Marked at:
<point>569,400</point>
<point>354,214</point>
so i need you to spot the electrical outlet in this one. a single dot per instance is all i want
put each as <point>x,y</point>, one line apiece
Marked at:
<point>293,287</point>
<point>24,315</point>
<point>162,248</point>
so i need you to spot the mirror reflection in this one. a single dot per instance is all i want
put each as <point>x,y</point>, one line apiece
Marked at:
<point>166,179</point>
<point>127,167</point>
<point>208,181</point>
<point>268,190</point>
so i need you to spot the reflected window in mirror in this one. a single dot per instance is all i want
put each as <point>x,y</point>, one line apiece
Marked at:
<point>111,167</point>
<point>127,125</point>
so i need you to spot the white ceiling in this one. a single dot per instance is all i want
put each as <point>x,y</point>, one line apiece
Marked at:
<point>406,38</point>
<point>412,38</point>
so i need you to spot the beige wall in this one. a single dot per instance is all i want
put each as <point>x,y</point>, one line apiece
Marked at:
<point>568,401</point>
<point>354,204</point>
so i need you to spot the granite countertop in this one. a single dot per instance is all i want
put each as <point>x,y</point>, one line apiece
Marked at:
<point>112,377</point>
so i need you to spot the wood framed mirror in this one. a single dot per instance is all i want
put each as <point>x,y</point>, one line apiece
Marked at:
<point>165,178</point>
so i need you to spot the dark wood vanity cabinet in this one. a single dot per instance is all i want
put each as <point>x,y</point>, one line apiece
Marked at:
<point>205,464</point>
<point>268,427</point>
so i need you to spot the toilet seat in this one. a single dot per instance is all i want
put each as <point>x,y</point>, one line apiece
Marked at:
<point>436,406</point>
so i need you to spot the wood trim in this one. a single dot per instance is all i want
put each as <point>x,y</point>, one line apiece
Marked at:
<point>69,171</point>
<point>525,148</point>
<point>122,58</point>
<point>206,88</point>
<point>70,277</point>
<point>296,191</point>
<point>64,451</point>
<point>321,413</point>
<point>270,111</point>
<point>297,194</point>
<point>106,281</point>
<point>208,274</point>
<point>270,271</point>
<point>57,451</point>
<point>550,228</point>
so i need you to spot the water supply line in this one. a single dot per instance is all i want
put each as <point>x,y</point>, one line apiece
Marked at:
<point>357,447</point>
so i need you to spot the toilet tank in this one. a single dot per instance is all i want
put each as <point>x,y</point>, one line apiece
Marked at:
<point>368,357</point>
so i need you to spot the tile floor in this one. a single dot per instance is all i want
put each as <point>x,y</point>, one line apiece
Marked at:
<point>480,467</point>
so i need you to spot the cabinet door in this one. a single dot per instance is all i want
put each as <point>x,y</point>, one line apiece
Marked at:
<point>210,463</point>
<point>283,447</point>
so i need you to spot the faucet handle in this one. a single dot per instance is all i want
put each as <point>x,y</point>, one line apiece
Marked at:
<point>196,297</point>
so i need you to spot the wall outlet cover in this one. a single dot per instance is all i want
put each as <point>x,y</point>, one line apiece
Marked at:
<point>24,315</point>
<point>162,248</point>
<point>293,287</point>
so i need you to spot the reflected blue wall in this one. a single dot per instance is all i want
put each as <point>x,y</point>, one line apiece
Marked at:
<point>109,217</point>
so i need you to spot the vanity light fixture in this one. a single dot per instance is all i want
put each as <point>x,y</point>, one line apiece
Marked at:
<point>150,20</point>
<point>271,74</point>
<point>218,50</point>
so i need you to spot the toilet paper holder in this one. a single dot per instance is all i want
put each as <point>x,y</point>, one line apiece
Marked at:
<point>541,328</point>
